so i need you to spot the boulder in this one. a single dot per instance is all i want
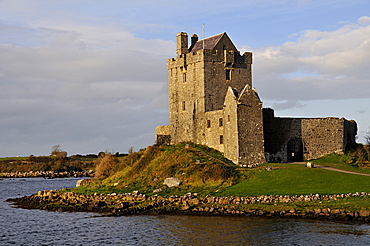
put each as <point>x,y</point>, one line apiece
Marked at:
<point>171,182</point>
<point>81,182</point>
<point>364,213</point>
<point>310,165</point>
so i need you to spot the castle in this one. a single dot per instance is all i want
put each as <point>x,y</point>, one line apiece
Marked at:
<point>212,102</point>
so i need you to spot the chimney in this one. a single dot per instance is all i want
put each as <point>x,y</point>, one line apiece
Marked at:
<point>194,39</point>
<point>181,43</point>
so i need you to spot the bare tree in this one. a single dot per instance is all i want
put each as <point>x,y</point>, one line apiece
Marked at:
<point>367,137</point>
<point>131,150</point>
<point>55,150</point>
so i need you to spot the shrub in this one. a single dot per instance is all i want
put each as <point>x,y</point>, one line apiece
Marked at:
<point>105,166</point>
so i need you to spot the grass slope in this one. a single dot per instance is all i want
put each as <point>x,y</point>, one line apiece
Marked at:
<point>207,172</point>
<point>201,169</point>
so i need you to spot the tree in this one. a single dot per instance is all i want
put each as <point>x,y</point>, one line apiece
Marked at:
<point>367,146</point>
<point>55,150</point>
<point>367,137</point>
<point>131,150</point>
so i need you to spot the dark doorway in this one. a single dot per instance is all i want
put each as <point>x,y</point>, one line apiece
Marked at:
<point>295,150</point>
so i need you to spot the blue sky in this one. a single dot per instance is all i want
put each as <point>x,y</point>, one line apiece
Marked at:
<point>91,75</point>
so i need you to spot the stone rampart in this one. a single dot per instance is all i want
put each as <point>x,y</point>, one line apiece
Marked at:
<point>298,139</point>
<point>136,203</point>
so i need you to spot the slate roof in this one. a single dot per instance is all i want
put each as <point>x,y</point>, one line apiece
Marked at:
<point>207,43</point>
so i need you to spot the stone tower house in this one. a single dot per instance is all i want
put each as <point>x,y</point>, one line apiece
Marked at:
<point>211,99</point>
<point>212,102</point>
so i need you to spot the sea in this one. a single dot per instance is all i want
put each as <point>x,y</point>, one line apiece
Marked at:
<point>38,227</point>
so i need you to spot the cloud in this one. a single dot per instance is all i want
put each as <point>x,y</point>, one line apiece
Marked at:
<point>287,105</point>
<point>80,87</point>
<point>317,65</point>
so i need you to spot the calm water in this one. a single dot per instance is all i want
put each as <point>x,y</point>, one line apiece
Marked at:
<point>36,227</point>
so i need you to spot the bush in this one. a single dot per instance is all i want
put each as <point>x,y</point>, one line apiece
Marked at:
<point>105,166</point>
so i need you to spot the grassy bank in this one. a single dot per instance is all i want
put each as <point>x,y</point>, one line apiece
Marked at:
<point>46,163</point>
<point>271,189</point>
<point>205,171</point>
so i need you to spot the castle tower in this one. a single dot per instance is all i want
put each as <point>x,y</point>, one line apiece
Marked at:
<point>199,79</point>
<point>212,102</point>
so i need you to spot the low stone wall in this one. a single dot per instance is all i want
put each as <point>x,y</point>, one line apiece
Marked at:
<point>47,174</point>
<point>136,203</point>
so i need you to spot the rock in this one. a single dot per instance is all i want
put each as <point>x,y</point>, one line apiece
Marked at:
<point>81,182</point>
<point>157,190</point>
<point>364,213</point>
<point>171,182</point>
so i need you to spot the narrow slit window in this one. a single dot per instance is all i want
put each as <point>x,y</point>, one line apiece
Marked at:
<point>208,123</point>
<point>220,122</point>
<point>184,77</point>
<point>228,118</point>
<point>183,105</point>
<point>221,139</point>
<point>228,74</point>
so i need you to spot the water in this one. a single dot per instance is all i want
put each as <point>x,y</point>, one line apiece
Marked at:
<point>38,227</point>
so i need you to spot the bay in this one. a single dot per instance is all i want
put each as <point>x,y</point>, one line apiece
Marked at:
<point>39,227</point>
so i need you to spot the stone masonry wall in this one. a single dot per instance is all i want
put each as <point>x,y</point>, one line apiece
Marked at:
<point>214,131</point>
<point>319,136</point>
<point>250,128</point>
<point>231,134</point>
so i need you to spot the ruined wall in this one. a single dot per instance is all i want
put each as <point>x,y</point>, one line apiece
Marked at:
<point>319,136</point>
<point>163,135</point>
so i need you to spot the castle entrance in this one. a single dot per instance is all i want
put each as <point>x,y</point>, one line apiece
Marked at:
<point>295,150</point>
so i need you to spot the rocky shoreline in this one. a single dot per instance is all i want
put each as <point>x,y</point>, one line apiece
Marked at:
<point>47,174</point>
<point>190,204</point>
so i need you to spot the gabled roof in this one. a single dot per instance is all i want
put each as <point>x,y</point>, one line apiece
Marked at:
<point>207,43</point>
<point>247,88</point>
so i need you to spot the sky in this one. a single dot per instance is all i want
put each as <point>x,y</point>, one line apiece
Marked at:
<point>91,76</point>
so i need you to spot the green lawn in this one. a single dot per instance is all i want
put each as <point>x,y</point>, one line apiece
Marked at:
<point>337,161</point>
<point>294,179</point>
<point>18,158</point>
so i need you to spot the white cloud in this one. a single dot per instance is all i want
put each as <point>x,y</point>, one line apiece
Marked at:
<point>318,65</point>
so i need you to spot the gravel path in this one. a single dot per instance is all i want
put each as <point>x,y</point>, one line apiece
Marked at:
<point>332,169</point>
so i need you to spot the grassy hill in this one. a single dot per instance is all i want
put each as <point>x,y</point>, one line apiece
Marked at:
<point>205,171</point>
<point>200,168</point>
